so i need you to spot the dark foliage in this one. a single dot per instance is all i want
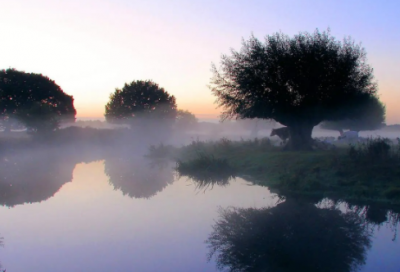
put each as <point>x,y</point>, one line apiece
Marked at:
<point>378,150</point>
<point>293,236</point>
<point>370,116</point>
<point>33,99</point>
<point>207,170</point>
<point>299,82</point>
<point>141,103</point>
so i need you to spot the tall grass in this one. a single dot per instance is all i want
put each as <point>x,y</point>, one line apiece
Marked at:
<point>378,150</point>
<point>207,170</point>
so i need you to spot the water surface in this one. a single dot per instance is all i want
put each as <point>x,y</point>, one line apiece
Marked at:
<point>114,215</point>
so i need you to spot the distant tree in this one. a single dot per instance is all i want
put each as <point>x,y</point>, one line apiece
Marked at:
<point>141,102</point>
<point>370,116</point>
<point>185,119</point>
<point>299,82</point>
<point>34,100</point>
<point>293,236</point>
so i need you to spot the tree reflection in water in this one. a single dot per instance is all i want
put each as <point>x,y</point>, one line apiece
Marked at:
<point>374,215</point>
<point>33,176</point>
<point>293,236</point>
<point>138,177</point>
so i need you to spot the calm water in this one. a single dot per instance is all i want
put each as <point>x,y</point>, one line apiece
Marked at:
<point>114,215</point>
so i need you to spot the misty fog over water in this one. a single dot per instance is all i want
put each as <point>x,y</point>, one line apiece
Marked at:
<point>68,210</point>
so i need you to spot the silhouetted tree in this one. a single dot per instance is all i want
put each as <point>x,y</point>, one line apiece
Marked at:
<point>38,117</point>
<point>370,116</point>
<point>299,82</point>
<point>293,236</point>
<point>185,119</point>
<point>35,100</point>
<point>137,177</point>
<point>139,104</point>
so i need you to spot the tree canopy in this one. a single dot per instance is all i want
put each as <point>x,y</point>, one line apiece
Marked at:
<point>297,81</point>
<point>28,96</point>
<point>140,100</point>
<point>370,116</point>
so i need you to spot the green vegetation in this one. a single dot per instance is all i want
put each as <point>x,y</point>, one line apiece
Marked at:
<point>368,171</point>
<point>207,170</point>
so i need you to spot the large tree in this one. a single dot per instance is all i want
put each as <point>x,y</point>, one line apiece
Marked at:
<point>33,99</point>
<point>370,116</point>
<point>141,102</point>
<point>298,81</point>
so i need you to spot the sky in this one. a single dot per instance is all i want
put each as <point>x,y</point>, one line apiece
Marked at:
<point>92,47</point>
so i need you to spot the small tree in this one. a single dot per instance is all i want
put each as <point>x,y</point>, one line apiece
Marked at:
<point>140,102</point>
<point>370,116</point>
<point>34,100</point>
<point>185,119</point>
<point>299,82</point>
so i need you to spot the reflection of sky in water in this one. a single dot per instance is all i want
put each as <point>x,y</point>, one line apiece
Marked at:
<point>88,226</point>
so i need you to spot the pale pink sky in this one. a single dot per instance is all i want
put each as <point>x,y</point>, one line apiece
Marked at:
<point>92,47</point>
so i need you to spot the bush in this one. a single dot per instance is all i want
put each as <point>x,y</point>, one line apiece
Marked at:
<point>374,150</point>
<point>207,170</point>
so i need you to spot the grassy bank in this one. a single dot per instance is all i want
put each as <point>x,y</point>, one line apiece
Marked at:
<point>369,171</point>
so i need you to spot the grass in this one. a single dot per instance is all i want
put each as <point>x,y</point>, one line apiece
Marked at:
<point>368,171</point>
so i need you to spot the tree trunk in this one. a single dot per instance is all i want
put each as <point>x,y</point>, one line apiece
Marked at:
<point>300,136</point>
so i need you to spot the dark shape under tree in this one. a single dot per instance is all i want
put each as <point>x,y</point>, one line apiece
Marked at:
<point>370,116</point>
<point>141,104</point>
<point>297,81</point>
<point>34,100</point>
<point>293,236</point>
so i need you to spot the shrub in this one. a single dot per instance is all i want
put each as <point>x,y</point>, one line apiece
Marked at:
<point>207,170</point>
<point>374,150</point>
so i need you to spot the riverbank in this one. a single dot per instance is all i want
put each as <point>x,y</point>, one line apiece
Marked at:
<point>365,172</point>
